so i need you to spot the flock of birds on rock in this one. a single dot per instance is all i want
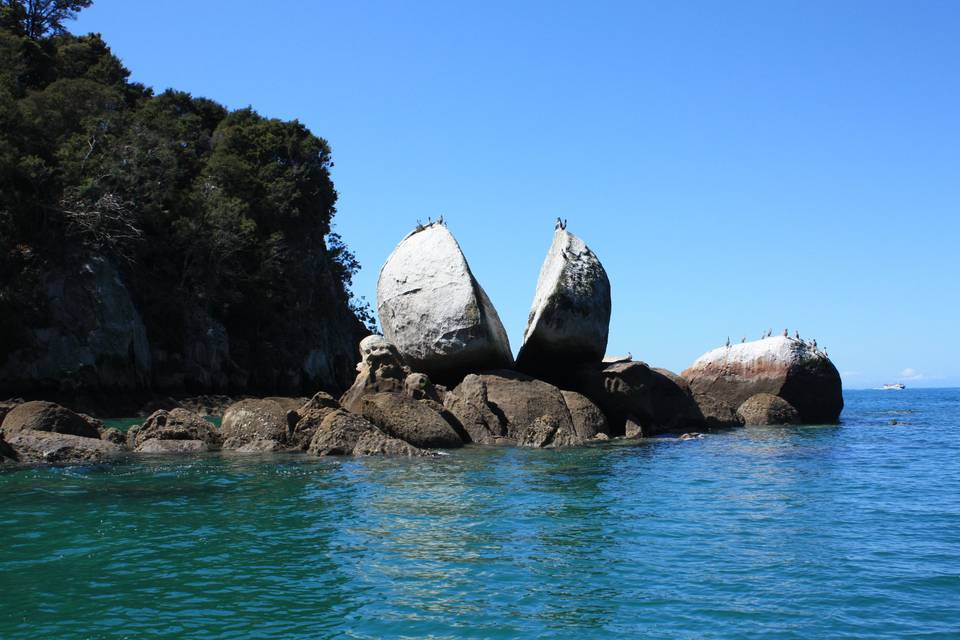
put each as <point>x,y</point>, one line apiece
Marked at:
<point>786,334</point>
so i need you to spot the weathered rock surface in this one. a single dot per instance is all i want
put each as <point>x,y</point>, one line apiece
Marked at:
<point>343,433</point>
<point>39,415</point>
<point>114,435</point>
<point>435,312</point>
<point>7,454</point>
<point>271,419</point>
<point>311,415</point>
<point>94,338</point>
<point>53,447</point>
<point>588,419</point>
<point>570,316</point>
<point>155,445</point>
<point>764,408</point>
<point>652,400</point>
<point>723,379</point>
<point>410,420</point>
<point>380,369</point>
<point>506,407</point>
<point>174,425</point>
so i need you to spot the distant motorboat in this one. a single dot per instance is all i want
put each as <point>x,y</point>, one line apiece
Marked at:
<point>896,386</point>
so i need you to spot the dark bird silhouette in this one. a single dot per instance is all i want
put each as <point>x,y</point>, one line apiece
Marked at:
<point>728,341</point>
<point>785,333</point>
<point>743,339</point>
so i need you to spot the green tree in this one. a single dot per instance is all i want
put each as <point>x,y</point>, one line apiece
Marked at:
<point>37,19</point>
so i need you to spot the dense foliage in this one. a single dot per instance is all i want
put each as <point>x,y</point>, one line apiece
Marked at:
<point>202,208</point>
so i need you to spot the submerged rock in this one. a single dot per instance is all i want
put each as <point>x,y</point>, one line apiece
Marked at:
<point>764,408</point>
<point>410,420</point>
<point>40,415</point>
<point>506,407</point>
<point>723,379</point>
<point>570,316</point>
<point>435,312</point>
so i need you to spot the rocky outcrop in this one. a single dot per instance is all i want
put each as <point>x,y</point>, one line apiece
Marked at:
<point>61,448</point>
<point>588,419</point>
<point>268,419</point>
<point>435,312</point>
<point>47,416</point>
<point>7,454</point>
<point>93,338</point>
<point>176,425</point>
<point>570,315</point>
<point>763,409</point>
<point>723,379</point>
<point>311,415</point>
<point>380,369</point>
<point>410,420</point>
<point>343,433</point>
<point>632,393</point>
<point>506,407</point>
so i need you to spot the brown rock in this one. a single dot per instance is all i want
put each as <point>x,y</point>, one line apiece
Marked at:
<point>52,447</point>
<point>114,435</point>
<point>588,419</point>
<point>657,400</point>
<point>410,420</point>
<point>723,379</point>
<point>764,408</point>
<point>503,407</point>
<point>312,415</point>
<point>154,445</point>
<point>380,370</point>
<point>253,419</point>
<point>338,434</point>
<point>176,424</point>
<point>47,416</point>
<point>374,442</point>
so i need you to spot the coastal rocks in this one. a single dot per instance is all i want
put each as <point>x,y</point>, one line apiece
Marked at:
<point>763,408</point>
<point>636,398</point>
<point>39,415</point>
<point>176,425</point>
<point>410,420</point>
<point>506,407</point>
<point>588,419</point>
<point>311,415</point>
<point>343,433</point>
<point>570,316</point>
<point>53,447</point>
<point>267,419</point>
<point>723,379</point>
<point>380,369</point>
<point>7,454</point>
<point>435,312</point>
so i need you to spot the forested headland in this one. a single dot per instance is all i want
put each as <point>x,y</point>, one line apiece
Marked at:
<point>158,241</point>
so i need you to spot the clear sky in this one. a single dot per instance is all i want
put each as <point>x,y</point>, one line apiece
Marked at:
<point>737,166</point>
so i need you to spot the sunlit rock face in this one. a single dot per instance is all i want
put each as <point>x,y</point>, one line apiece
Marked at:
<point>435,312</point>
<point>723,379</point>
<point>570,315</point>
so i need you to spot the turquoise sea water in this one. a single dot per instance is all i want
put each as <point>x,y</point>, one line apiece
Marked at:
<point>850,531</point>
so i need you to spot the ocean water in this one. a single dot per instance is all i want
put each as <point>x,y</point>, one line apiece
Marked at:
<point>849,531</point>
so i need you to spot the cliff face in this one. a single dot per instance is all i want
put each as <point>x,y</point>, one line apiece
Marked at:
<point>96,340</point>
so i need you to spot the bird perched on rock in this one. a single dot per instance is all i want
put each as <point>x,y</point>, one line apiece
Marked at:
<point>419,225</point>
<point>743,339</point>
<point>440,219</point>
<point>559,224</point>
<point>786,333</point>
<point>796,334</point>
<point>814,343</point>
<point>728,341</point>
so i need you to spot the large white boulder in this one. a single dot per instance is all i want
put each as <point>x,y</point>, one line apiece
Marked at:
<point>570,316</point>
<point>794,370</point>
<point>435,312</point>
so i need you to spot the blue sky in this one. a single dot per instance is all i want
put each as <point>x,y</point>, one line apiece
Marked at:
<point>737,166</point>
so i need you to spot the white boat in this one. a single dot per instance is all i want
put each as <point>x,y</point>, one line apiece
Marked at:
<point>896,386</point>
